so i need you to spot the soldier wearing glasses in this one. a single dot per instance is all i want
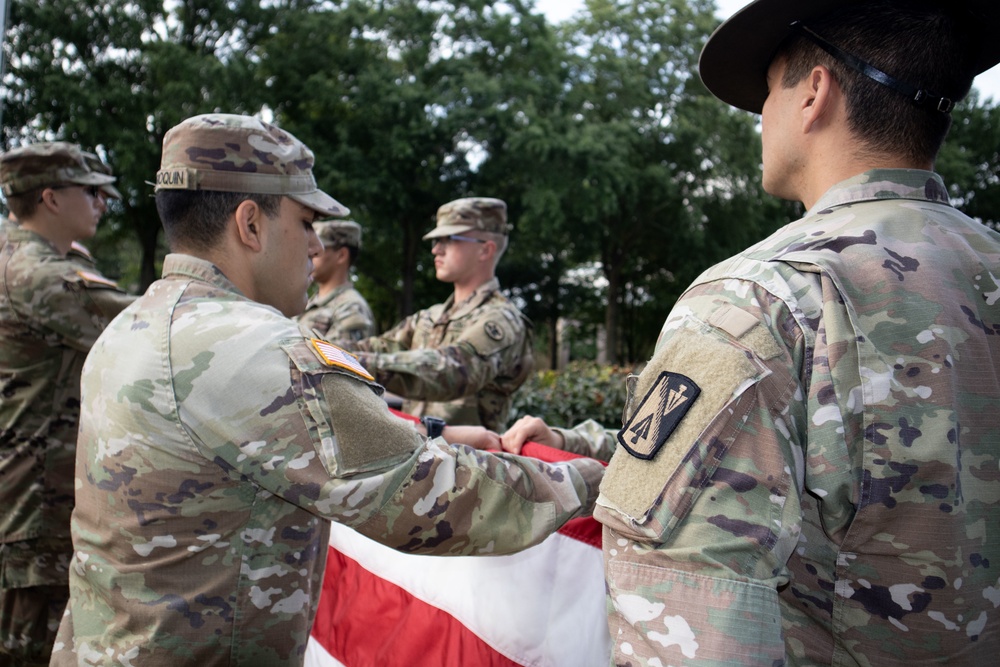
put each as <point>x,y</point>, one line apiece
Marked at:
<point>52,308</point>
<point>459,361</point>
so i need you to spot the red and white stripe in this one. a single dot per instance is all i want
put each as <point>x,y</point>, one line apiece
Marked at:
<point>542,607</point>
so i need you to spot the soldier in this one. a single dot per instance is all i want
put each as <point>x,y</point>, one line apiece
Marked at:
<point>338,311</point>
<point>51,312</point>
<point>808,469</point>
<point>459,361</point>
<point>218,437</point>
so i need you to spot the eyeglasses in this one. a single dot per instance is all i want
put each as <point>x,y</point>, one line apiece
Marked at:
<point>93,190</point>
<point>445,240</point>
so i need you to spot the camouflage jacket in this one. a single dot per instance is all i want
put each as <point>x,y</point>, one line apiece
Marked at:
<point>461,362</point>
<point>216,440</point>
<point>343,314</point>
<point>808,471</point>
<point>51,312</point>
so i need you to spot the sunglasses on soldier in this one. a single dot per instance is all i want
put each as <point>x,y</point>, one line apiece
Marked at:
<point>93,190</point>
<point>445,240</point>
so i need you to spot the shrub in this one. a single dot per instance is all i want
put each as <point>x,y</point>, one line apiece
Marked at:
<point>584,390</point>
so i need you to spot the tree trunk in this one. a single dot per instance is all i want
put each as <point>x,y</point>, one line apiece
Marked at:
<point>612,314</point>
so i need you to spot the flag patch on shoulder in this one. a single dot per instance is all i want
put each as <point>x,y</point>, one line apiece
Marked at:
<point>331,355</point>
<point>91,278</point>
<point>659,414</point>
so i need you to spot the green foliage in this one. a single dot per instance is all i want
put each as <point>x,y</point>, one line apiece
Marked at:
<point>584,390</point>
<point>114,76</point>
<point>623,176</point>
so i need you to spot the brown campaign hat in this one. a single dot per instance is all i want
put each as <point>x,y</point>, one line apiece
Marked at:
<point>46,164</point>
<point>734,62</point>
<point>337,233</point>
<point>484,214</point>
<point>232,153</point>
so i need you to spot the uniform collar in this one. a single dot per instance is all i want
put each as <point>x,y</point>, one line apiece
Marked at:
<point>176,265</point>
<point>878,184</point>
<point>454,310</point>
<point>16,233</point>
<point>318,301</point>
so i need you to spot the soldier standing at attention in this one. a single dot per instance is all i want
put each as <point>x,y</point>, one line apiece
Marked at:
<point>460,361</point>
<point>338,311</point>
<point>51,311</point>
<point>218,437</point>
<point>808,469</point>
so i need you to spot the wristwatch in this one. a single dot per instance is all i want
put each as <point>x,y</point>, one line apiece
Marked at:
<point>434,425</point>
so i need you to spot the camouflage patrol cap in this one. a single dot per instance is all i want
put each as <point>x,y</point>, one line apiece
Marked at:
<point>734,62</point>
<point>96,164</point>
<point>484,214</point>
<point>232,153</point>
<point>337,233</point>
<point>45,164</point>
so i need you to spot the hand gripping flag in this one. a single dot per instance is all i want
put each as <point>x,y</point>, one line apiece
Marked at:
<point>542,607</point>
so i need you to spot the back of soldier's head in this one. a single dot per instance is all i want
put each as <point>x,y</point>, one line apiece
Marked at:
<point>902,64</point>
<point>213,162</point>
<point>892,36</point>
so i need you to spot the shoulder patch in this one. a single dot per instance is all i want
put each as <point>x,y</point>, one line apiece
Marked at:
<point>493,330</point>
<point>91,279</point>
<point>331,355</point>
<point>660,412</point>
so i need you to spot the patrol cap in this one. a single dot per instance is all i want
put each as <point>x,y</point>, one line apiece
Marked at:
<point>98,165</point>
<point>46,164</point>
<point>734,62</point>
<point>337,233</point>
<point>233,153</point>
<point>484,214</point>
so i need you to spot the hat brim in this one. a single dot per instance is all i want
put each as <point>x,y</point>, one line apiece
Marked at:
<point>111,191</point>
<point>447,230</point>
<point>92,178</point>
<point>733,64</point>
<point>320,202</point>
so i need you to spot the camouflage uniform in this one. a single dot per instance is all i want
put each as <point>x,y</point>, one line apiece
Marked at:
<point>216,440</point>
<point>461,362</point>
<point>342,314</point>
<point>52,310</point>
<point>828,475</point>
<point>471,356</point>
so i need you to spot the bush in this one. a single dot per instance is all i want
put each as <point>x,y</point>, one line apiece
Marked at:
<point>584,390</point>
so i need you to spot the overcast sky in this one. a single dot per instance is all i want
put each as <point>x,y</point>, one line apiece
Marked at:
<point>988,82</point>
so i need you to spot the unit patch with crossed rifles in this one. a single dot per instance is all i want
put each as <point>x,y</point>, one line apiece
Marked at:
<point>658,415</point>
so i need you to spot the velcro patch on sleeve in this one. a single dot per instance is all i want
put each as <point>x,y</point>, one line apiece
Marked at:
<point>331,355</point>
<point>659,414</point>
<point>95,279</point>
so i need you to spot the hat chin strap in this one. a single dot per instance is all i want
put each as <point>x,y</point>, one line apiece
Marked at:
<point>920,97</point>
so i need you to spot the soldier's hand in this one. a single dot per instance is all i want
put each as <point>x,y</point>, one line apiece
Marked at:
<point>530,428</point>
<point>477,437</point>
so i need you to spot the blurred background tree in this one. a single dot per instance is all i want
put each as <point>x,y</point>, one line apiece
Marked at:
<point>624,178</point>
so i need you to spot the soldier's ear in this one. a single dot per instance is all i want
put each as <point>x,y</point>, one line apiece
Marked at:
<point>249,219</point>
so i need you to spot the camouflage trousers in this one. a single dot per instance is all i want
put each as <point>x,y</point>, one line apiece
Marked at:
<point>29,619</point>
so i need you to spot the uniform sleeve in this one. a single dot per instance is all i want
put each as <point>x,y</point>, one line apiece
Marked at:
<point>75,305</point>
<point>589,438</point>
<point>400,337</point>
<point>702,496</point>
<point>330,445</point>
<point>353,322</point>
<point>486,348</point>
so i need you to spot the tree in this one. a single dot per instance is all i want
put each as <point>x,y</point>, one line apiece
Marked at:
<point>969,161</point>
<point>115,76</point>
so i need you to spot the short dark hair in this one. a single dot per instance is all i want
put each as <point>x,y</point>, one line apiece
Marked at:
<point>352,253</point>
<point>196,219</point>
<point>919,42</point>
<point>24,205</point>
